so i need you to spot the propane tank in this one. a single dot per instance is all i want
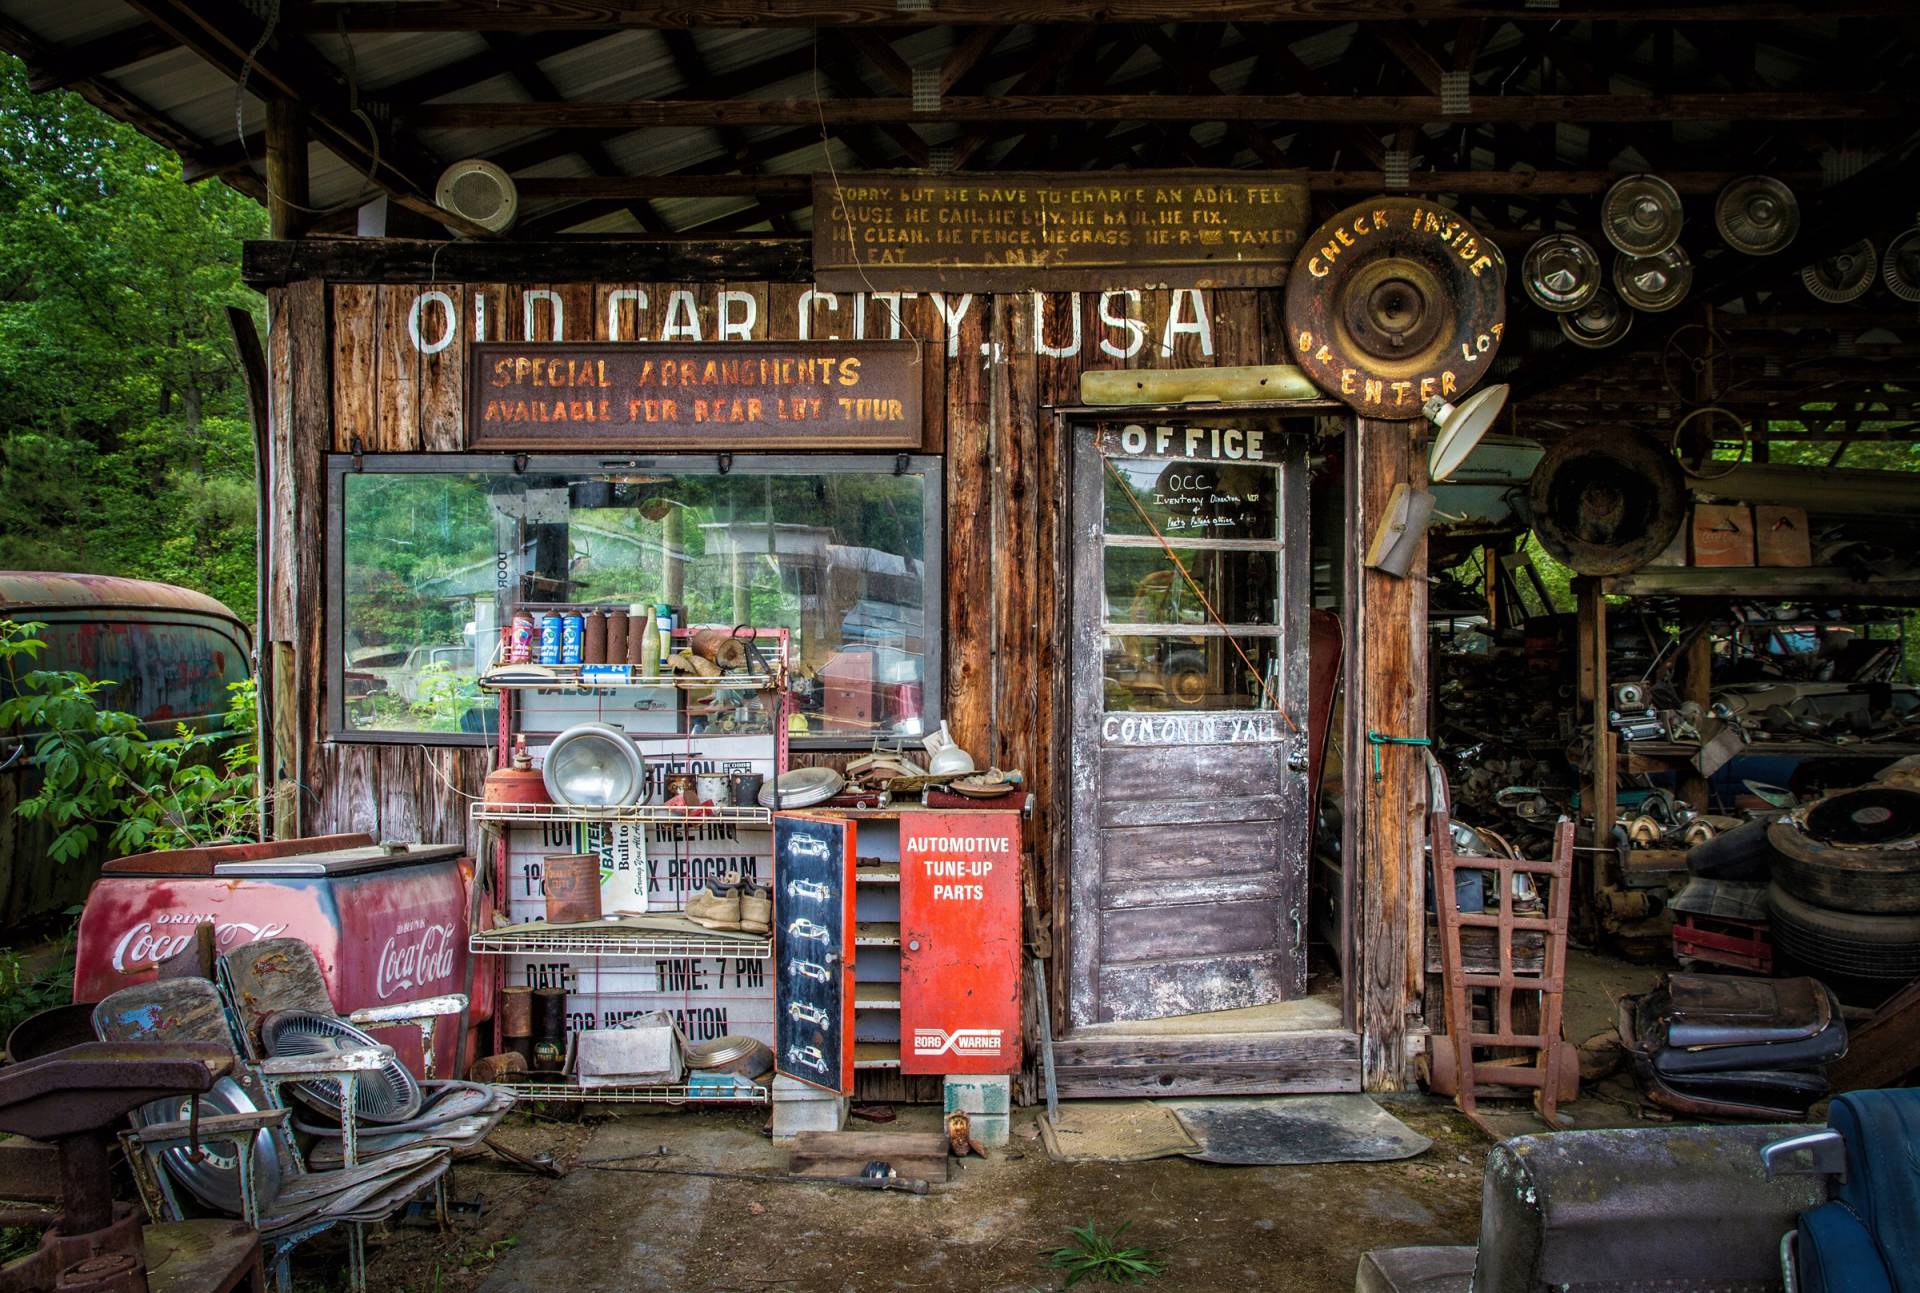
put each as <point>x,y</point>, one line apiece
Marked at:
<point>520,783</point>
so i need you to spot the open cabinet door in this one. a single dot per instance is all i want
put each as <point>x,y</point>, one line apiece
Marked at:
<point>813,933</point>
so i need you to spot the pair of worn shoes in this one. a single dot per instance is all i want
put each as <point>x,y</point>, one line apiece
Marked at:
<point>731,902</point>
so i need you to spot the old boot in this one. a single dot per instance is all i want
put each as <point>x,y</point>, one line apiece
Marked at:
<point>716,905</point>
<point>756,910</point>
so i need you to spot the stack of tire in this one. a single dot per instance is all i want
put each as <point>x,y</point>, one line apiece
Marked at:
<point>1846,886</point>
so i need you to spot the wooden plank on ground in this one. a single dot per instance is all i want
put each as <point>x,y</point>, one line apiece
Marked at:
<point>914,1155</point>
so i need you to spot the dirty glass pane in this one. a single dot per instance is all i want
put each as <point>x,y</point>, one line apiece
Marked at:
<point>1144,586</point>
<point>1179,672</point>
<point>1192,500</point>
<point>436,562</point>
<point>419,583</point>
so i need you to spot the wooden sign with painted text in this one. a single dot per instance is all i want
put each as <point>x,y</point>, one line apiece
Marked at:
<point>748,395</point>
<point>1015,231</point>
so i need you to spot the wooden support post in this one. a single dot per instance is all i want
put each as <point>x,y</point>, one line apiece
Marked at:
<point>1593,686</point>
<point>287,188</point>
<point>1387,693</point>
<point>1696,684</point>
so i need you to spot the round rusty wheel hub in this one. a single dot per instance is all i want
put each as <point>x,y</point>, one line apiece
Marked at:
<point>1606,502</point>
<point>1395,301</point>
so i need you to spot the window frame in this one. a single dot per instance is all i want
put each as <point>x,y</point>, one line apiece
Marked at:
<point>339,466</point>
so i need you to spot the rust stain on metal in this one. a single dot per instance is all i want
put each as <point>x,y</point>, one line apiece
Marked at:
<point>1393,302</point>
<point>1021,231</point>
<point>731,395</point>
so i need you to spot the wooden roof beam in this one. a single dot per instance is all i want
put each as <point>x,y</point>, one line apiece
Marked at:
<point>1391,110</point>
<point>605,15</point>
<point>121,106</point>
<point>225,34</point>
<point>59,68</point>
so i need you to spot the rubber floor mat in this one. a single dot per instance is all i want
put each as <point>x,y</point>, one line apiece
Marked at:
<point>1295,1129</point>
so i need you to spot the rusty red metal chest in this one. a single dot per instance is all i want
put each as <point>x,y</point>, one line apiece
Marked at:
<point>387,923</point>
<point>960,942</point>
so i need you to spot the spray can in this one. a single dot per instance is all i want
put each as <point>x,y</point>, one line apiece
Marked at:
<point>520,644</point>
<point>663,620</point>
<point>572,632</point>
<point>549,639</point>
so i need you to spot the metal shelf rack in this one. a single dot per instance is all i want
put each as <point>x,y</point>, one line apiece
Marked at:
<point>677,1093</point>
<point>637,814</point>
<point>604,939</point>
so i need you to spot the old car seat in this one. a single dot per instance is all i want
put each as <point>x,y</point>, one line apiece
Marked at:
<point>1640,1208</point>
<point>1866,1238</point>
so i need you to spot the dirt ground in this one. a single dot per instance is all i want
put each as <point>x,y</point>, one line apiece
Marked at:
<point>989,1229</point>
<point>611,1226</point>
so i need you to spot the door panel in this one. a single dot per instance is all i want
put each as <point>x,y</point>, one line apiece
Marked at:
<point>1189,586</point>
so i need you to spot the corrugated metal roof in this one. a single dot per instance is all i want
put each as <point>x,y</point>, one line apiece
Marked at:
<point>200,101</point>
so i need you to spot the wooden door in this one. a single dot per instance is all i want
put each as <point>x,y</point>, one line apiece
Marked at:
<point>1189,649</point>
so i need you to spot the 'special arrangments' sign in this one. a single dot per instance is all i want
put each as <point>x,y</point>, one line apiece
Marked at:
<point>741,395</point>
<point>1014,231</point>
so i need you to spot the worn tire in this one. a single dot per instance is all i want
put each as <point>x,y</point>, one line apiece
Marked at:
<point>1885,948</point>
<point>1870,867</point>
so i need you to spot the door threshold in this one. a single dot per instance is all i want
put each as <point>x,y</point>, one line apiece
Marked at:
<point>1318,1011</point>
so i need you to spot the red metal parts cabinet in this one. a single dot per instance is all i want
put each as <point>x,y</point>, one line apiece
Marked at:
<point>960,942</point>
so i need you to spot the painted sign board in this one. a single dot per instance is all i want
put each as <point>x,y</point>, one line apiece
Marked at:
<point>960,942</point>
<point>744,395</point>
<point>813,942</point>
<point>1017,231</point>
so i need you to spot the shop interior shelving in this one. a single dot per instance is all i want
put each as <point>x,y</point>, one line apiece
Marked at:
<point>608,938</point>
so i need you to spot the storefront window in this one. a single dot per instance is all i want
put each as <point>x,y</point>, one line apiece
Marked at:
<point>430,562</point>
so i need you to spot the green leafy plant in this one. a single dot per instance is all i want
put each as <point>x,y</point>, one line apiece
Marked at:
<point>1095,1256</point>
<point>101,772</point>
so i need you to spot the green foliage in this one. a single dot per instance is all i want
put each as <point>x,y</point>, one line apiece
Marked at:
<point>29,986</point>
<point>124,440</point>
<point>1095,1256</point>
<point>101,772</point>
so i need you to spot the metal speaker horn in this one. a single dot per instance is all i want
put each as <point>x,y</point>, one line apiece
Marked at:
<point>1599,323</point>
<point>1757,215</point>
<point>1653,283</point>
<point>1900,267</point>
<point>1606,501</point>
<point>1844,276</point>
<point>481,192</point>
<point>1641,215</point>
<point>1560,273</point>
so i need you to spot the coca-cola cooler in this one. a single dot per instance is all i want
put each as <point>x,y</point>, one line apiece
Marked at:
<point>388,923</point>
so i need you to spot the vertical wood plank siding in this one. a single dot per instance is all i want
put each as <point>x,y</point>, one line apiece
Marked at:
<point>346,364</point>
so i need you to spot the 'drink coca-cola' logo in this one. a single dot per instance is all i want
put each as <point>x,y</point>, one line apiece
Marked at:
<point>416,954</point>
<point>172,933</point>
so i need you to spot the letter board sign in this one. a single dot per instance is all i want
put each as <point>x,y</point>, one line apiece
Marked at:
<point>813,950</point>
<point>960,942</point>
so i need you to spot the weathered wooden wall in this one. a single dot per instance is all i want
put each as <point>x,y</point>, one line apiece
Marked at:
<point>346,368</point>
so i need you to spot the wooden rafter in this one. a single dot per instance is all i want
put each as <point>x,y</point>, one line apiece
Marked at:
<point>59,68</point>
<point>613,15</point>
<point>225,34</point>
<point>1640,109</point>
<point>121,106</point>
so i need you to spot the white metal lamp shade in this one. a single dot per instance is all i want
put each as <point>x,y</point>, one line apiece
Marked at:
<point>594,765</point>
<point>1560,273</point>
<point>1461,427</point>
<point>480,191</point>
